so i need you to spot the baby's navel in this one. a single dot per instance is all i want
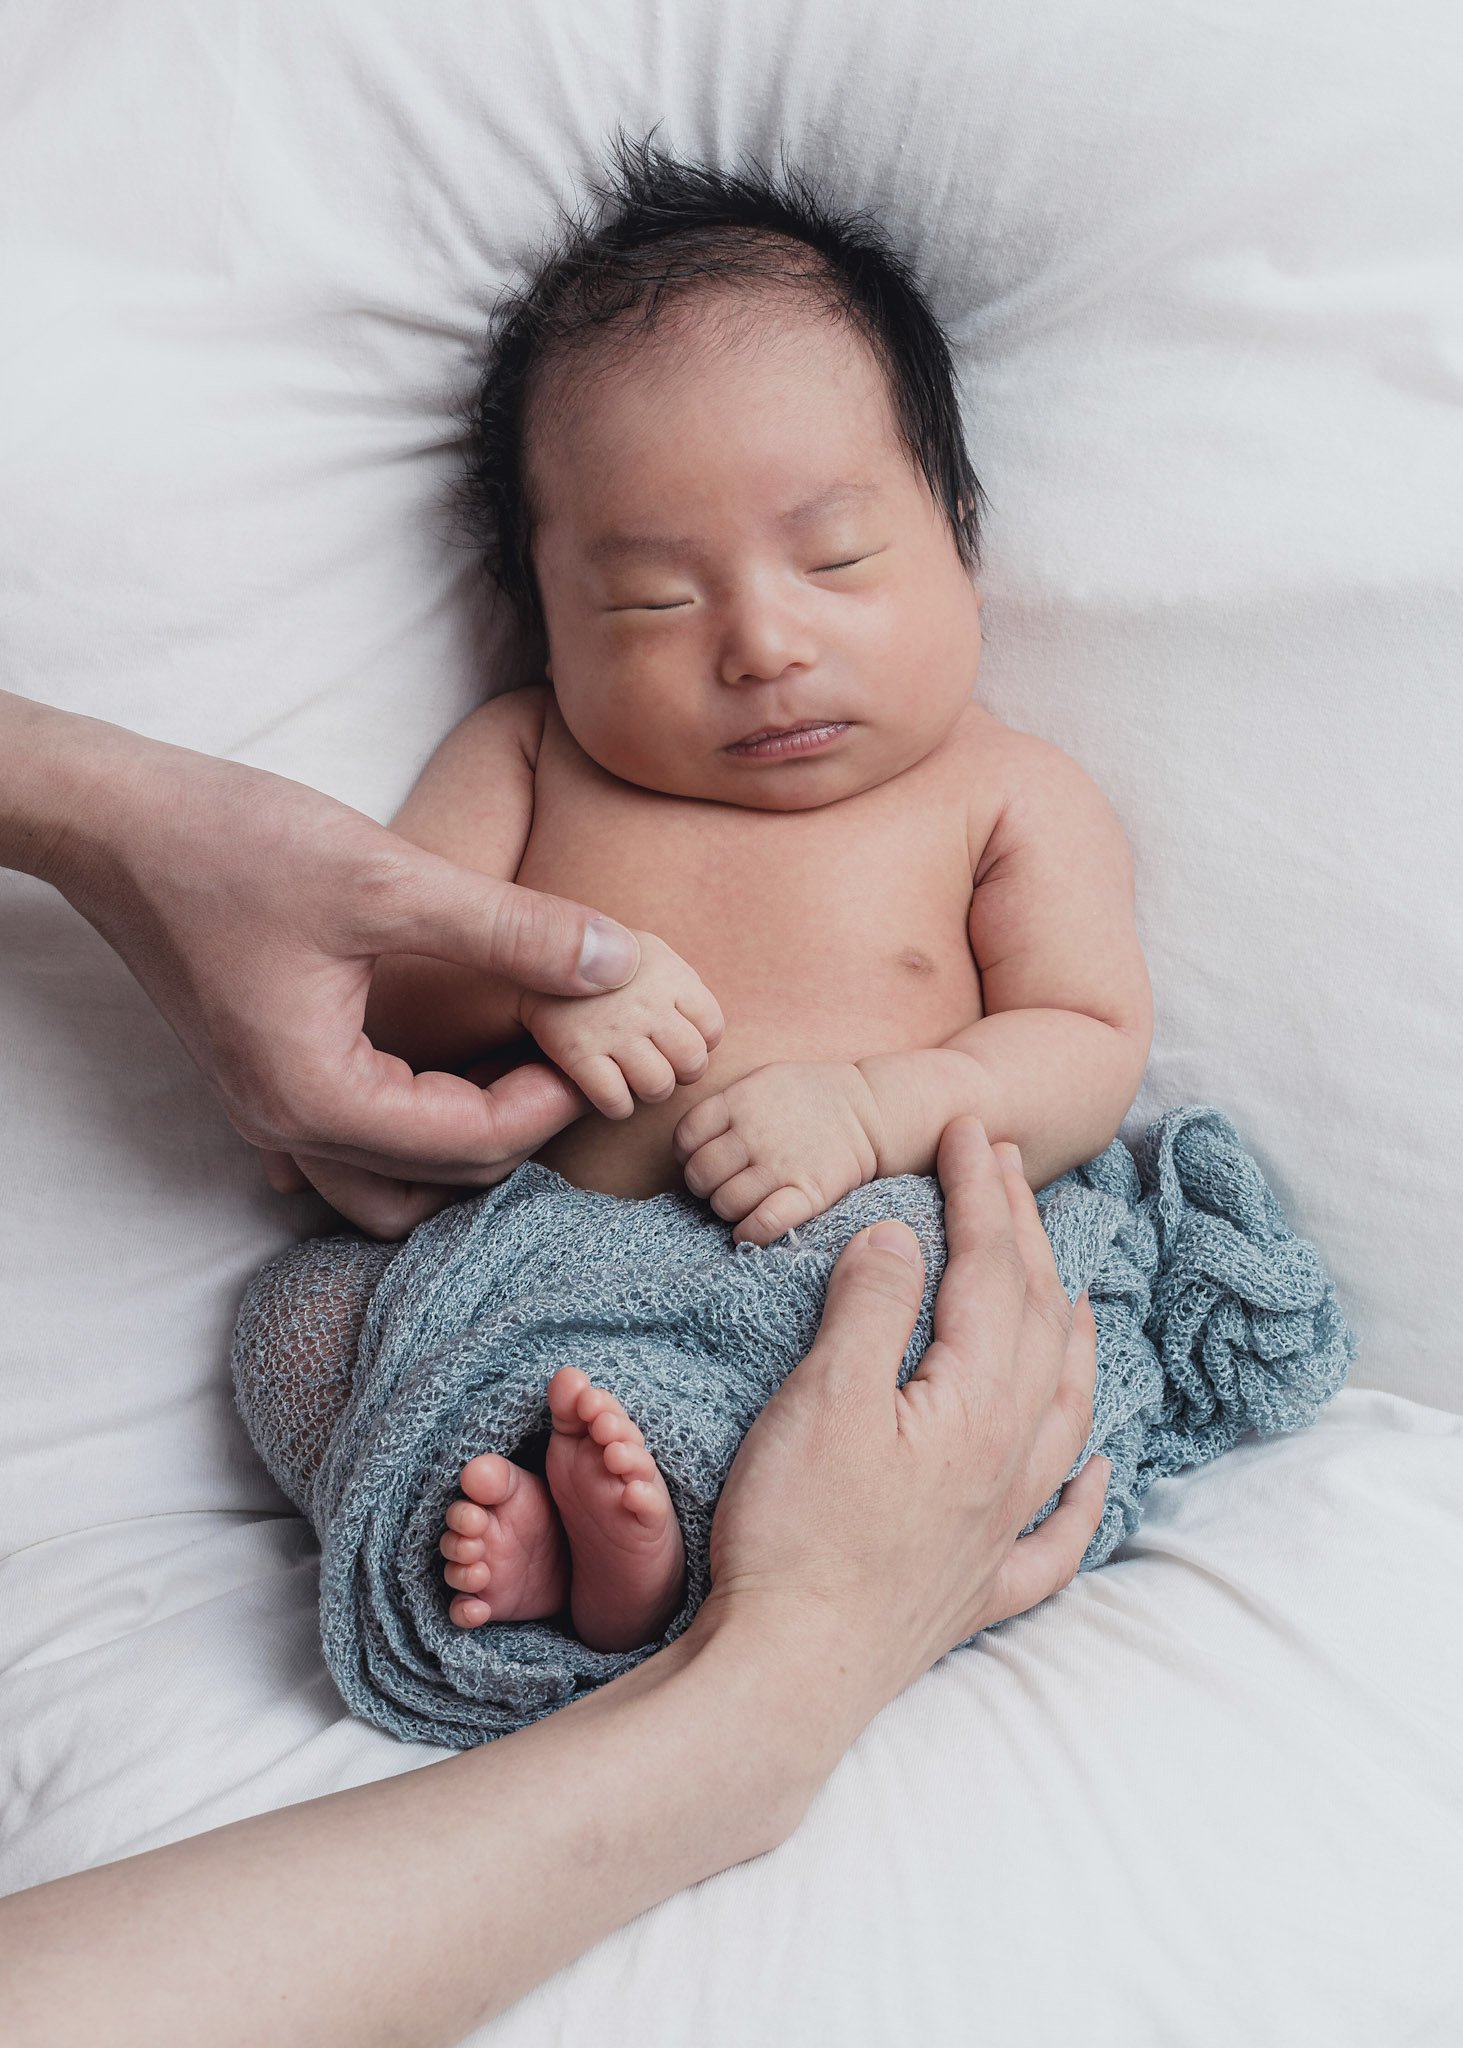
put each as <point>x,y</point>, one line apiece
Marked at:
<point>917,962</point>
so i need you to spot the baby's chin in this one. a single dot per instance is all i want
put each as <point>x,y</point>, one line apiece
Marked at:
<point>782,786</point>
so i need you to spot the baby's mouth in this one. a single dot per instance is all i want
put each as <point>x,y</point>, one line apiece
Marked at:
<point>770,741</point>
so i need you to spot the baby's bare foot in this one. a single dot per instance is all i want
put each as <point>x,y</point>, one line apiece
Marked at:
<point>504,1545</point>
<point>629,1563</point>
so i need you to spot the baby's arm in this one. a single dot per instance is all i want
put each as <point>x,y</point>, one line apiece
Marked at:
<point>1055,1063</point>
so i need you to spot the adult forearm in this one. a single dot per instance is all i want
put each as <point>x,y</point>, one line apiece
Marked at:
<point>1054,1083</point>
<point>411,1910</point>
<point>50,762</point>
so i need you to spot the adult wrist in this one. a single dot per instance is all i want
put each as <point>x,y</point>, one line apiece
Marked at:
<point>797,1687</point>
<point>58,799</point>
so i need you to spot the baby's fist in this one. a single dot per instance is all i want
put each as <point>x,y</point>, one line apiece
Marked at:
<point>780,1145</point>
<point>645,1039</point>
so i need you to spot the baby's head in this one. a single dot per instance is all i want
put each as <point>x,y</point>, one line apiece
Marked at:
<point>716,465</point>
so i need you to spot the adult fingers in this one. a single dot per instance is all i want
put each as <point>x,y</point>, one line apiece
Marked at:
<point>1001,1300</point>
<point>383,1207</point>
<point>1043,1562</point>
<point>1045,1295</point>
<point>423,904</point>
<point>869,1313</point>
<point>1062,1431</point>
<point>282,1173</point>
<point>380,1116</point>
<point>979,1309</point>
<point>1066,1424</point>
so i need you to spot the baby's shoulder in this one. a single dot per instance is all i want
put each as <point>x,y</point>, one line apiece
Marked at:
<point>995,752</point>
<point>1015,780</point>
<point>473,801</point>
<point>508,726</point>
<point>513,717</point>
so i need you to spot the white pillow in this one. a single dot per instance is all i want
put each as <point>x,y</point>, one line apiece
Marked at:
<point>1202,275</point>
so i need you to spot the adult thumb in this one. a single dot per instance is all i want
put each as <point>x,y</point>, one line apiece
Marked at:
<point>873,1300</point>
<point>519,935</point>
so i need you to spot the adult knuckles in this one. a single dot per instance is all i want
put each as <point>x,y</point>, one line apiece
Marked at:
<point>264,1113</point>
<point>388,892</point>
<point>1003,1260</point>
<point>1049,1301</point>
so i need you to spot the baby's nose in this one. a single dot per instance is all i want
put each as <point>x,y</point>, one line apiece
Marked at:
<point>764,641</point>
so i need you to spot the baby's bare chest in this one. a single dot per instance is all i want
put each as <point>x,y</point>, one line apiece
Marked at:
<point>823,934</point>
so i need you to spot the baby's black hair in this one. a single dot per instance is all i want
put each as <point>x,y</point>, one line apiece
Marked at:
<point>668,229</point>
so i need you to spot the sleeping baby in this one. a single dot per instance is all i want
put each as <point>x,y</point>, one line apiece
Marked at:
<point>720,448</point>
<point>718,466</point>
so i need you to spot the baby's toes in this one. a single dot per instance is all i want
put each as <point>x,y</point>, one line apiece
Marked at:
<point>488,1478</point>
<point>628,1460</point>
<point>611,1425</point>
<point>467,1578</point>
<point>467,1518</point>
<point>460,1549</point>
<point>646,1501</point>
<point>565,1391</point>
<point>468,1612</point>
<point>644,1494</point>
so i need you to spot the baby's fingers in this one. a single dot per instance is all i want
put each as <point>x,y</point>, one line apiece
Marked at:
<point>781,1211</point>
<point>648,1071</point>
<point>601,1080</point>
<point>683,1046</point>
<point>701,1007</point>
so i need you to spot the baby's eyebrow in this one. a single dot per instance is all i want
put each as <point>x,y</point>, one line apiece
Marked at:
<point>615,547</point>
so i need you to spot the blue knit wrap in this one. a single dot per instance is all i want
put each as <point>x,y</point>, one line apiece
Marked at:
<point>1213,1317</point>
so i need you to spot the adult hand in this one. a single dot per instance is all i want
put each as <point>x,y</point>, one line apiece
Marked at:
<point>863,1530</point>
<point>252,910</point>
<point>925,1550</point>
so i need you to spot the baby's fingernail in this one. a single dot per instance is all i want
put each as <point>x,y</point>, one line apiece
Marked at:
<point>893,1237</point>
<point>609,955</point>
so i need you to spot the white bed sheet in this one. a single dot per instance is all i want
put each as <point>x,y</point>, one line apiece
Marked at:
<point>1202,269</point>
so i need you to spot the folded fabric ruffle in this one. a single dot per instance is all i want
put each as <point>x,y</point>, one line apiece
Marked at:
<point>1213,1318</point>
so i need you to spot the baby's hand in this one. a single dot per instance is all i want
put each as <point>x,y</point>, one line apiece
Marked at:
<point>644,1039</point>
<point>783,1143</point>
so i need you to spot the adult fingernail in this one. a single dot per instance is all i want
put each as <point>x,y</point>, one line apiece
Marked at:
<point>893,1237</point>
<point>609,955</point>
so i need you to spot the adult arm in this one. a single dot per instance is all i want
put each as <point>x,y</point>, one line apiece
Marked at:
<point>863,1531</point>
<point>252,910</point>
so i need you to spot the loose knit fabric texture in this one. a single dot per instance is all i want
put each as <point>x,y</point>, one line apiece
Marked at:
<point>367,1375</point>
